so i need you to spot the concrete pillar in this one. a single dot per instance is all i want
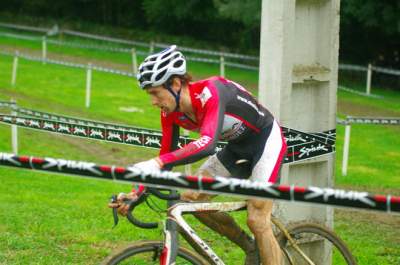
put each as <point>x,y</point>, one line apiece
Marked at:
<point>298,83</point>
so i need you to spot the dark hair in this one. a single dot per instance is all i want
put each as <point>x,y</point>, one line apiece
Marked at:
<point>185,79</point>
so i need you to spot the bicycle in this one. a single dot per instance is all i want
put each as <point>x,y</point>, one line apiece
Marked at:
<point>295,241</point>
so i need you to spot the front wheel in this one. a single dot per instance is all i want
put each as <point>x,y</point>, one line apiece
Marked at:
<point>309,237</point>
<point>148,253</point>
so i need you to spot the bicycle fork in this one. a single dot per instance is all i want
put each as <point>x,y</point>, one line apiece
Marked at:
<point>171,242</point>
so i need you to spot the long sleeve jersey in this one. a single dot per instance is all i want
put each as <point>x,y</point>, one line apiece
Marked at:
<point>224,110</point>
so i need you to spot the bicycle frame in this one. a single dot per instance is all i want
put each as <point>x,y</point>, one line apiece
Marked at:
<point>175,219</point>
<point>175,213</point>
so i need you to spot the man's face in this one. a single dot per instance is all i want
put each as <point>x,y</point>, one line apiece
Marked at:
<point>162,98</point>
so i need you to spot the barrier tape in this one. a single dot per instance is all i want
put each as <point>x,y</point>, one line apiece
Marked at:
<point>7,104</point>
<point>353,67</point>
<point>330,136</point>
<point>243,66</point>
<point>209,52</point>
<point>104,38</point>
<point>20,37</point>
<point>294,137</point>
<point>185,49</point>
<point>217,184</point>
<point>373,120</point>
<point>112,49</point>
<point>110,70</point>
<point>204,60</point>
<point>89,46</point>
<point>70,64</point>
<point>301,145</point>
<point>386,70</point>
<point>21,27</point>
<point>130,42</point>
<point>95,47</point>
<point>359,93</point>
<point>341,121</point>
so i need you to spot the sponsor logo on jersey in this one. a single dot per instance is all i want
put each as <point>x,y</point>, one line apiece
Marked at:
<point>204,96</point>
<point>251,104</point>
<point>202,141</point>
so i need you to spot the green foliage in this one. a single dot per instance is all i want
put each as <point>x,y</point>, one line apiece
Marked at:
<point>383,15</point>
<point>246,12</point>
<point>369,29</point>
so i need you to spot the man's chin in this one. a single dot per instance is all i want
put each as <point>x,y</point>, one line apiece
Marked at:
<point>165,110</point>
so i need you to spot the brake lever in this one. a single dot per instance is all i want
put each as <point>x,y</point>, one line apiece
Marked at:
<point>114,210</point>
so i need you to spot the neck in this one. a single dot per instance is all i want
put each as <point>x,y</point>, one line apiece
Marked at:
<point>186,102</point>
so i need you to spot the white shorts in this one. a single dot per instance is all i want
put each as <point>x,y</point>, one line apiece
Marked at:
<point>257,158</point>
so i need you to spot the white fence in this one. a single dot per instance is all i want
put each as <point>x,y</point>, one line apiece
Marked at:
<point>140,45</point>
<point>218,57</point>
<point>89,67</point>
<point>360,120</point>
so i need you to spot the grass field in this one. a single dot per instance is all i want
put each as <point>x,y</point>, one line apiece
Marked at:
<point>48,219</point>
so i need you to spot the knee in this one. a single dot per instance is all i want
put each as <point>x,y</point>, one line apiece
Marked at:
<point>190,196</point>
<point>259,223</point>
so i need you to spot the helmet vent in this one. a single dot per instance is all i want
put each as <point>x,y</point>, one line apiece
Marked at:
<point>178,63</point>
<point>160,75</point>
<point>157,68</point>
<point>163,64</point>
<point>165,56</point>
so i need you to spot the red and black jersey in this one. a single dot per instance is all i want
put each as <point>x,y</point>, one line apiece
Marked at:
<point>224,110</point>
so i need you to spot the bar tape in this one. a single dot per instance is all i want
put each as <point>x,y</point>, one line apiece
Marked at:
<point>217,184</point>
<point>301,145</point>
<point>373,120</point>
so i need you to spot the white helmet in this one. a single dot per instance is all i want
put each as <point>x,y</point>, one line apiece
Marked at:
<point>157,68</point>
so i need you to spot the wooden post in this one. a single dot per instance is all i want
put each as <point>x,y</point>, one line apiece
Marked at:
<point>151,50</point>
<point>134,61</point>
<point>88,84</point>
<point>14,130</point>
<point>369,77</point>
<point>222,66</point>
<point>14,69</point>
<point>346,149</point>
<point>44,50</point>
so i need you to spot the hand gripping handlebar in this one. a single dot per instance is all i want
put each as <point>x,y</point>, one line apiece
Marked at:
<point>133,203</point>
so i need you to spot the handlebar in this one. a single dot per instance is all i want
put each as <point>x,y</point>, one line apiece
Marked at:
<point>167,197</point>
<point>133,203</point>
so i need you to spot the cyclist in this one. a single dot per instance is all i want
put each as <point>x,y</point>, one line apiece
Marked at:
<point>219,109</point>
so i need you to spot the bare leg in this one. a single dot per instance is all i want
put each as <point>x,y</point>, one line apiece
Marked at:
<point>259,222</point>
<point>221,223</point>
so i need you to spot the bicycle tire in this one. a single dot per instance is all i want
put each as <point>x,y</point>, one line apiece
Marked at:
<point>311,233</point>
<point>148,253</point>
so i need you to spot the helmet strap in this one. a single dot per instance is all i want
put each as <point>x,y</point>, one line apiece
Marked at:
<point>177,95</point>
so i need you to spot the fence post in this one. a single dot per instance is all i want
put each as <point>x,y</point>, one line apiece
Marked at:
<point>369,77</point>
<point>222,66</point>
<point>151,50</point>
<point>188,167</point>
<point>44,50</point>
<point>134,61</point>
<point>14,69</point>
<point>60,35</point>
<point>14,129</point>
<point>346,148</point>
<point>88,84</point>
